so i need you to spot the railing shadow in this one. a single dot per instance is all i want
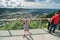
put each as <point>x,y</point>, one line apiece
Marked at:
<point>22,35</point>
<point>31,38</point>
<point>27,38</point>
<point>8,29</point>
<point>57,33</point>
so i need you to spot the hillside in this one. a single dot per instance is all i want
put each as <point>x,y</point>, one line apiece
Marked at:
<point>15,12</point>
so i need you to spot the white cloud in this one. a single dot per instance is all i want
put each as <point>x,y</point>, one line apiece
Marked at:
<point>21,3</point>
<point>53,1</point>
<point>47,1</point>
<point>41,5</point>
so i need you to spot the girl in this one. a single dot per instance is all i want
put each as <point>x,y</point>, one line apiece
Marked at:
<point>26,28</point>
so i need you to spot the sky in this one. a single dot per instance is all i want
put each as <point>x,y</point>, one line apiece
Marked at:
<point>53,4</point>
<point>49,1</point>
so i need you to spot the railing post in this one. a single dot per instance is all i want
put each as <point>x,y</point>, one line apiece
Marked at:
<point>39,23</point>
<point>7,28</point>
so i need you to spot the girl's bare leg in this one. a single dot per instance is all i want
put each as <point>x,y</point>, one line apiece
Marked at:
<point>24,34</point>
<point>28,33</point>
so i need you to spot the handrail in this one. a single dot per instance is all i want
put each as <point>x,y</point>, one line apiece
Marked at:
<point>24,19</point>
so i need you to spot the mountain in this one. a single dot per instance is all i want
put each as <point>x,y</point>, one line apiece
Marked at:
<point>19,12</point>
<point>49,11</point>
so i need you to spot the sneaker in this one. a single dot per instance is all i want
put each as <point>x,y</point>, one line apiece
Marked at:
<point>58,29</point>
<point>31,37</point>
<point>53,32</point>
<point>50,32</point>
<point>24,36</point>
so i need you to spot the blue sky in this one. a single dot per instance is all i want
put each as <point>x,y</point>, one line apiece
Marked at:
<point>50,1</point>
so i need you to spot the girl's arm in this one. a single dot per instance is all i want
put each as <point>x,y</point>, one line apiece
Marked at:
<point>28,21</point>
<point>30,18</point>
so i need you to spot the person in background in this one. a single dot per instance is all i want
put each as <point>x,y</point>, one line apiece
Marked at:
<point>59,22</point>
<point>59,25</point>
<point>48,24</point>
<point>54,22</point>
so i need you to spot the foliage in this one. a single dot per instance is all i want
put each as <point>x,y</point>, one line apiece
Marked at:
<point>18,25</point>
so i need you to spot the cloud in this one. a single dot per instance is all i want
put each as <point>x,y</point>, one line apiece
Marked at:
<point>41,5</point>
<point>39,0</point>
<point>48,1</point>
<point>55,0</point>
<point>52,1</point>
<point>52,4</point>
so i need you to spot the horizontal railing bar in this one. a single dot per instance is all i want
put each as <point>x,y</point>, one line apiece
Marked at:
<point>24,19</point>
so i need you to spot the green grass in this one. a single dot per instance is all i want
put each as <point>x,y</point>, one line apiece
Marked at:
<point>18,25</point>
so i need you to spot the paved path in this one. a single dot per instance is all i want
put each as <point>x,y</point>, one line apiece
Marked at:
<point>37,34</point>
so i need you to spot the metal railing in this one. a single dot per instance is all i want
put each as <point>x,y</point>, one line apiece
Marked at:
<point>24,19</point>
<point>7,20</point>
